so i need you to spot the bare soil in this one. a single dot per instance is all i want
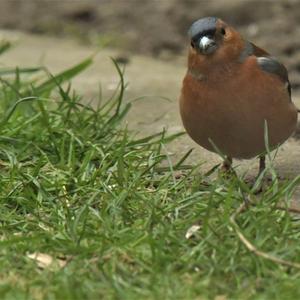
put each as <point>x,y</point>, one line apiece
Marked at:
<point>158,27</point>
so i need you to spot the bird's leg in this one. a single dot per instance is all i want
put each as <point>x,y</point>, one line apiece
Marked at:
<point>227,165</point>
<point>262,164</point>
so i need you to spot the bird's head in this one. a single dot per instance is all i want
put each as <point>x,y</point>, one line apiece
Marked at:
<point>212,39</point>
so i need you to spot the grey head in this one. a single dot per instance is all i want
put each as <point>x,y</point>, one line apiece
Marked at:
<point>202,34</point>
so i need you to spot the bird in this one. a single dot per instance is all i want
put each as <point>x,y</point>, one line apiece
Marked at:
<point>236,97</point>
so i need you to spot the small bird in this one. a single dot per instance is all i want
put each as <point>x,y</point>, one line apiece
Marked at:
<point>234,93</point>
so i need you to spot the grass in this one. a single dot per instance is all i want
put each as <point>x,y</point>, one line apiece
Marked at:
<point>112,216</point>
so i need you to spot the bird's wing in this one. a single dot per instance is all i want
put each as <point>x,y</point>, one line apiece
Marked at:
<point>273,66</point>
<point>267,63</point>
<point>251,49</point>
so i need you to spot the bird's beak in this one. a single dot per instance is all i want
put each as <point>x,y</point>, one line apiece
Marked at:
<point>207,45</point>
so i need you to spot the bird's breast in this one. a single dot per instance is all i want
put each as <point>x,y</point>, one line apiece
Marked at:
<point>232,112</point>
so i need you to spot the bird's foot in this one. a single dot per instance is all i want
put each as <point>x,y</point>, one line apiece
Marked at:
<point>226,170</point>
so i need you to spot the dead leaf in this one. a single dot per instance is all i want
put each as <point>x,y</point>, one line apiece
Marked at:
<point>192,230</point>
<point>45,260</point>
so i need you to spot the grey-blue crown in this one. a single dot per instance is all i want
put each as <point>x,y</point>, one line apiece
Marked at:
<point>203,26</point>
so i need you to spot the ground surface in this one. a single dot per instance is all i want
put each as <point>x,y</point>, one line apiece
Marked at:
<point>151,77</point>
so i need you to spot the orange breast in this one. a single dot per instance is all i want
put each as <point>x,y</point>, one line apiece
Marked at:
<point>231,111</point>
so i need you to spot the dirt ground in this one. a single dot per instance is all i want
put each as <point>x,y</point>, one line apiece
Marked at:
<point>152,37</point>
<point>158,27</point>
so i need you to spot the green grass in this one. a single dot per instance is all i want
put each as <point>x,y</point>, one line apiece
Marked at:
<point>77,185</point>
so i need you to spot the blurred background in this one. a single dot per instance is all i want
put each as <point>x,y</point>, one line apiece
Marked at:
<point>158,27</point>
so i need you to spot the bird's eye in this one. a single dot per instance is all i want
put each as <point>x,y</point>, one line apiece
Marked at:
<point>192,44</point>
<point>223,31</point>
